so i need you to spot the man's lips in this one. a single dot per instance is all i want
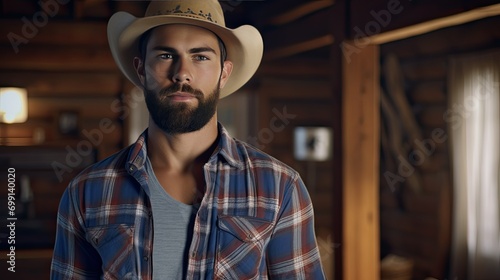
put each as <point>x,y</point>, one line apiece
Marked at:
<point>181,96</point>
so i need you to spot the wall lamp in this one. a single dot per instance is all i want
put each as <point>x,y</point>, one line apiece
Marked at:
<point>13,105</point>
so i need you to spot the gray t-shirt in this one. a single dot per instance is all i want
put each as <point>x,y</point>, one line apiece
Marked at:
<point>173,223</point>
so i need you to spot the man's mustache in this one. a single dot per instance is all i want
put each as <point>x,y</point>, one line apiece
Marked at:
<point>181,88</point>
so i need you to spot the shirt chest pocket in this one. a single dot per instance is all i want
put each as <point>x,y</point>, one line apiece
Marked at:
<point>241,247</point>
<point>114,243</point>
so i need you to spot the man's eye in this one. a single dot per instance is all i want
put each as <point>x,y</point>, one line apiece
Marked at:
<point>166,56</point>
<point>201,58</point>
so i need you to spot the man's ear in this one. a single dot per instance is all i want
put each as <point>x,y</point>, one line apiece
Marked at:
<point>226,72</point>
<point>139,68</point>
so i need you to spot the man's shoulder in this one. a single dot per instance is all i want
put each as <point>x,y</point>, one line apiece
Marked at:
<point>111,166</point>
<point>256,158</point>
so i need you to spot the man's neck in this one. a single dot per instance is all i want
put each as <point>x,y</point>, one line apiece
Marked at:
<point>179,152</point>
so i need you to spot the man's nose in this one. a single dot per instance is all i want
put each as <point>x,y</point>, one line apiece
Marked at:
<point>182,72</point>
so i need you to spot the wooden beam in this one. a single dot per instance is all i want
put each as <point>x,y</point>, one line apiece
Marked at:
<point>361,120</point>
<point>300,11</point>
<point>432,25</point>
<point>300,47</point>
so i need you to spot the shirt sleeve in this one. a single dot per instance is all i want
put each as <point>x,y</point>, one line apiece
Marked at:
<point>293,252</point>
<point>74,257</point>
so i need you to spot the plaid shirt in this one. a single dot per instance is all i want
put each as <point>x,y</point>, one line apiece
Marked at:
<point>255,220</point>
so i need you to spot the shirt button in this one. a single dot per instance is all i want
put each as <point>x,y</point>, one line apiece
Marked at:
<point>131,168</point>
<point>146,258</point>
<point>193,254</point>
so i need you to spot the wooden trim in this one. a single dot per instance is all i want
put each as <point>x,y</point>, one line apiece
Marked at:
<point>432,25</point>
<point>301,11</point>
<point>297,48</point>
<point>361,120</point>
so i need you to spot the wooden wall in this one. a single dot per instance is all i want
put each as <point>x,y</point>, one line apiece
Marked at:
<point>61,55</point>
<point>295,80</point>
<point>37,191</point>
<point>416,224</point>
<point>66,67</point>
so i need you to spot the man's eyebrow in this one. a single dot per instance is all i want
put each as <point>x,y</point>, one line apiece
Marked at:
<point>191,51</point>
<point>202,49</point>
<point>165,49</point>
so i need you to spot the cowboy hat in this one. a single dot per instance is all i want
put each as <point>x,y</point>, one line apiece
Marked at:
<point>244,44</point>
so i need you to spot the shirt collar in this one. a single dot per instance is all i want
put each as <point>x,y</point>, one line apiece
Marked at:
<point>227,148</point>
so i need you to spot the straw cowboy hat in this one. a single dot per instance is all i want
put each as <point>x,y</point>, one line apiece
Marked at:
<point>243,45</point>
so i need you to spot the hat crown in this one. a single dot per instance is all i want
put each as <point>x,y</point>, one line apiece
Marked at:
<point>206,10</point>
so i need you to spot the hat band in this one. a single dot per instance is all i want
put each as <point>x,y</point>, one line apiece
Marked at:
<point>188,13</point>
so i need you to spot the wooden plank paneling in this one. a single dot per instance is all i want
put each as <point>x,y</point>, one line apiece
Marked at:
<point>432,116</point>
<point>268,12</point>
<point>306,101</point>
<point>424,60</point>
<point>298,89</point>
<point>361,119</point>
<point>296,68</point>
<point>414,244</point>
<point>51,58</point>
<point>299,11</point>
<point>65,84</point>
<point>300,47</point>
<point>434,182</point>
<point>424,205</point>
<point>432,92</point>
<point>299,35</point>
<point>39,107</point>
<point>55,33</point>
<point>425,69</point>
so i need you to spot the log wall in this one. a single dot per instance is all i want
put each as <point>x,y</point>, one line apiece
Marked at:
<point>416,224</point>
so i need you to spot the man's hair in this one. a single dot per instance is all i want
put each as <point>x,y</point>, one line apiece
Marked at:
<point>143,43</point>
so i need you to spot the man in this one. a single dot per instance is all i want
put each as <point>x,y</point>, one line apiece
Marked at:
<point>186,201</point>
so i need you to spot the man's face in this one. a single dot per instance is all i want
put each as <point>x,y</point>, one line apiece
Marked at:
<point>182,76</point>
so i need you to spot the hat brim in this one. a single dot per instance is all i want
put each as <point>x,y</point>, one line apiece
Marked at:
<point>244,45</point>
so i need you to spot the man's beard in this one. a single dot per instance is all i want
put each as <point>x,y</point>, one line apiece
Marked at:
<point>175,118</point>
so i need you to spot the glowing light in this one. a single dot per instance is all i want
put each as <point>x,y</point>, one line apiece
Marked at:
<point>13,105</point>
